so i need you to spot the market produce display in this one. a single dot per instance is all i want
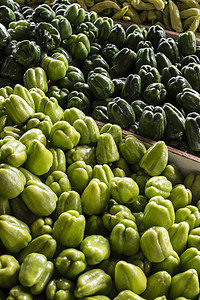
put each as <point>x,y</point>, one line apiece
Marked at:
<point>87,212</point>
<point>138,78</point>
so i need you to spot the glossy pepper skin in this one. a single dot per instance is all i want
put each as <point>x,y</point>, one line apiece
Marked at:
<point>178,288</point>
<point>60,94</point>
<point>88,129</point>
<point>57,61</point>
<point>78,46</point>
<point>192,73</point>
<point>189,259</point>
<point>124,189</point>
<point>35,272</point>
<point>130,243</point>
<point>105,26</point>
<point>193,238</point>
<point>5,36</point>
<point>19,30</point>
<point>95,202</point>
<point>75,14</point>
<point>63,26</point>
<point>125,57</point>
<point>66,225</point>
<point>35,77</point>
<point>168,72</point>
<point>104,154</point>
<point>152,122</point>
<point>43,244</point>
<point>128,294</point>
<point>158,186</point>
<point>82,152</point>
<point>41,226</point>
<point>13,152</point>
<point>64,136</point>
<point>178,234</point>
<point>189,100</point>
<point>148,75</point>
<point>73,75</point>
<point>155,244</point>
<point>180,196</point>
<point>22,53</point>
<point>156,207</point>
<point>154,34</point>
<point>169,47</point>
<point>59,182</point>
<point>32,135</point>
<point>18,291</point>
<point>120,112</point>
<point>48,37</point>
<point>39,198</point>
<point>92,282</point>
<point>132,88</point>
<point>192,125</point>
<point>96,249</point>
<point>145,56</point>
<point>190,214</point>
<point>176,84</point>
<point>192,182</point>
<point>101,86</point>
<point>79,169</point>
<point>60,287</point>
<point>103,173</point>
<point>43,12</point>
<point>129,277</point>
<point>174,116</point>
<point>12,181</point>
<point>51,108</point>
<point>15,234</point>
<point>78,100</point>
<point>170,264</point>
<point>41,121</point>
<point>37,154</point>
<point>12,69</point>
<point>187,43</point>
<point>8,271</point>
<point>70,263</point>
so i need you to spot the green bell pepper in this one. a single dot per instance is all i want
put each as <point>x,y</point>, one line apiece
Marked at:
<point>103,173</point>
<point>67,224</point>
<point>124,189</point>
<point>190,214</point>
<point>115,215</point>
<point>75,14</point>
<point>15,234</point>
<point>60,287</point>
<point>39,198</point>
<point>70,263</point>
<point>64,136</point>
<point>68,201</point>
<point>63,25</point>
<point>51,108</point>
<point>9,269</point>
<point>114,130</point>
<point>129,277</point>
<point>92,282</point>
<point>95,197</point>
<point>155,93</point>
<point>117,36</point>
<point>60,94</point>
<point>152,122</point>
<point>187,43</point>
<point>124,238</point>
<point>35,78</point>
<point>57,61</point>
<point>94,61</point>
<point>145,56</point>
<point>89,29</point>
<point>95,226</point>
<point>189,100</point>
<point>37,93</point>
<point>159,212</point>
<point>83,152</point>
<point>120,112</point>
<point>123,62</point>
<point>178,287</point>
<point>148,75</point>
<point>100,113</point>
<point>39,158</point>
<point>174,116</point>
<point>72,114</point>
<point>170,264</point>
<point>178,234</point>
<point>155,244</point>
<point>104,153</point>
<point>162,61</point>
<point>192,73</point>
<point>43,244</point>
<point>194,238</point>
<point>11,68</point>
<point>31,135</point>
<point>189,259</point>
<point>78,46</point>
<point>13,152</point>
<point>59,182</point>
<point>19,30</point>
<point>105,25</point>
<point>35,272</point>
<point>169,47</point>
<point>158,284</point>
<point>176,85</point>
<point>192,125</point>
<point>158,186</point>
<point>43,13</point>
<point>40,121</point>
<point>73,75</point>
<point>41,226</point>
<point>96,249</point>
<point>12,181</point>
<point>27,53</point>
<point>191,182</point>
<point>78,100</point>
<point>138,106</point>
<point>59,161</point>
<point>18,291</point>
<point>5,36</point>
<point>169,72</point>
<point>47,36</point>
<point>7,15</point>
<point>132,88</point>
<point>133,39</point>
<point>88,129</point>
<point>128,294</point>
<point>100,85</point>
<point>180,196</point>
<point>80,170</point>
<point>154,35</point>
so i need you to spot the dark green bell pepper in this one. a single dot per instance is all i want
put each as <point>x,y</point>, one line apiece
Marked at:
<point>48,37</point>
<point>145,56</point>
<point>154,35</point>
<point>133,39</point>
<point>43,13</point>
<point>132,88</point>
<point>168,72</point>
<point>7,15</point>
<point>192,73</point>
<point>9,271</point>
<point>12,69</point>
<point>162,61</point>
<point>187,43</point>
<point>117,36</point>
<point>152,122</point>
<point>148,75</point>
<point>73,75</point>
<point>93,61</point>
<point>176,85</point>
<point>5,36</point>
<point>75,14</point>
<point>192,129</point>
<point>27,53</point>
<point>89,29</point>
<point>169,47</point>
<point>123,62</point>
<point>155,93</point>
<point>100,85</point>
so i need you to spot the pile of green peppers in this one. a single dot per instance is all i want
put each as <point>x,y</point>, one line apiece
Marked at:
<point>138,78</point>
<point>87,212</point>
